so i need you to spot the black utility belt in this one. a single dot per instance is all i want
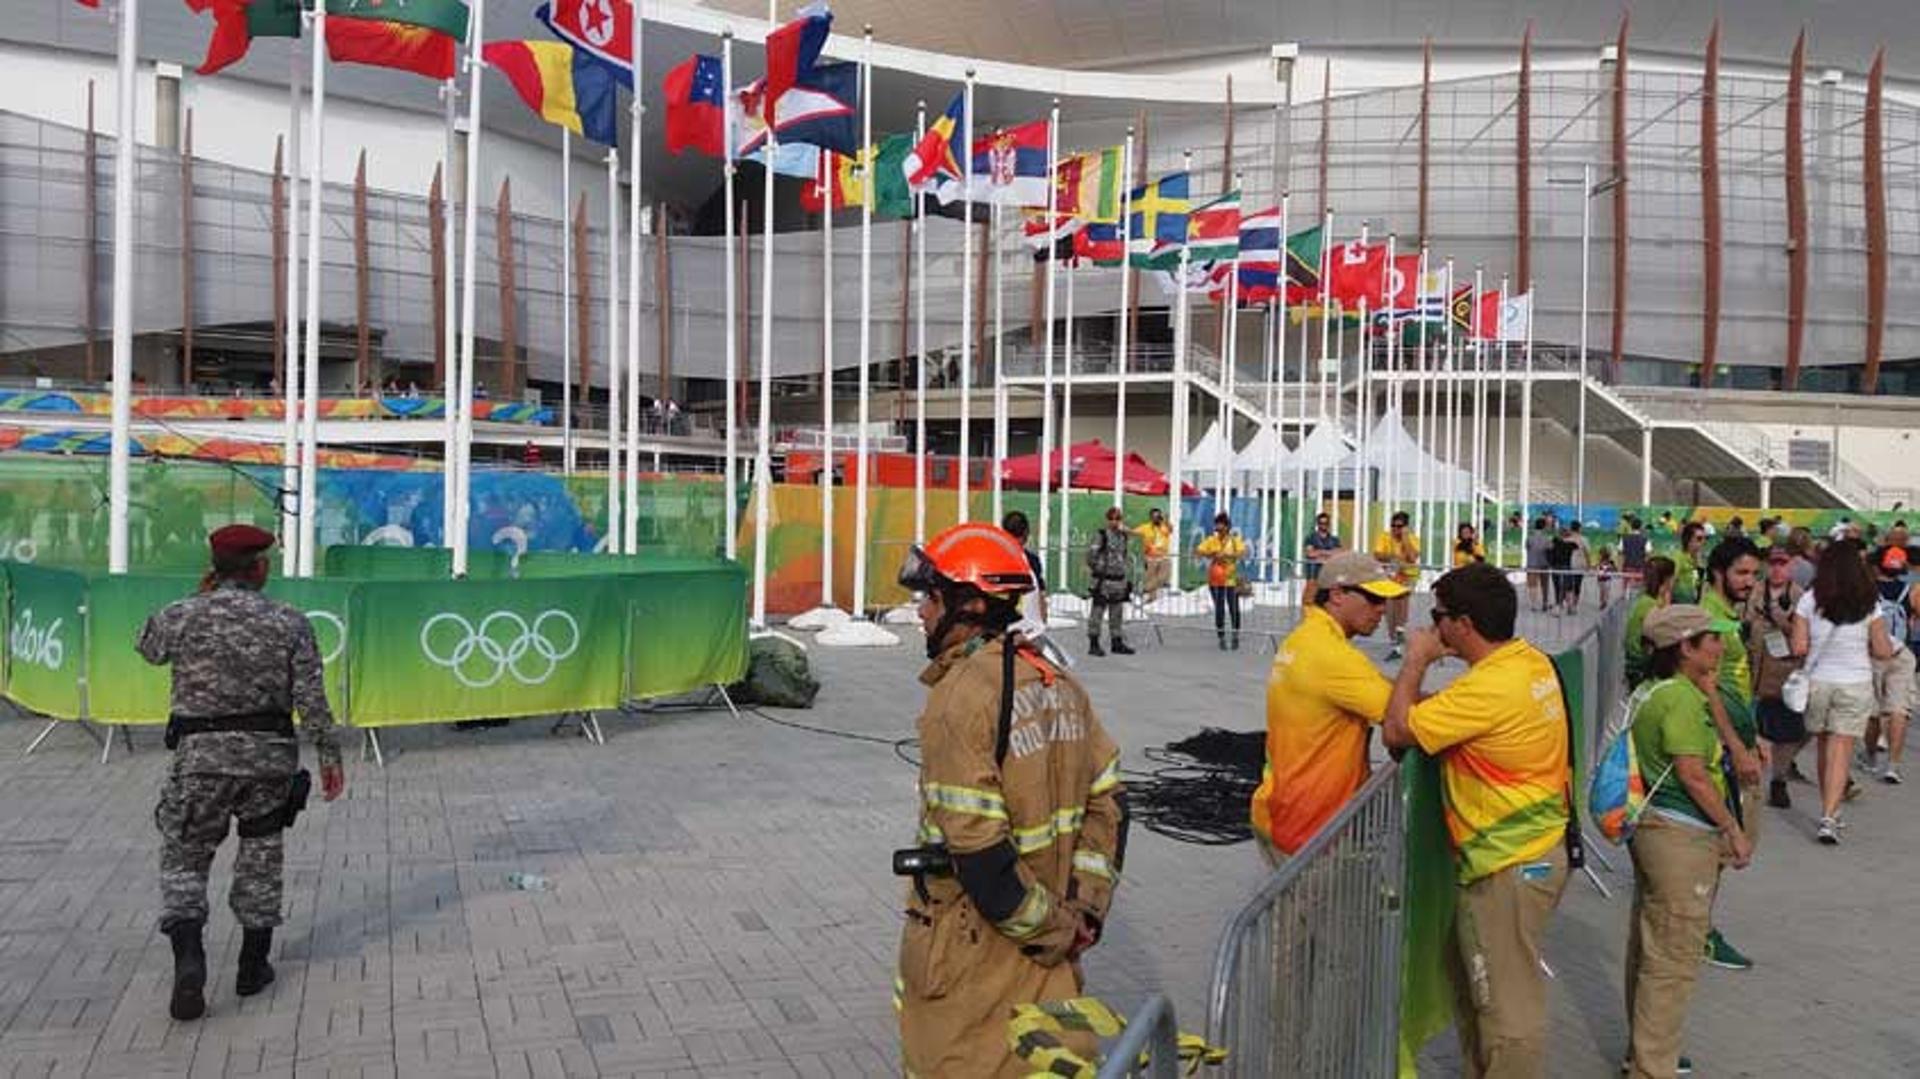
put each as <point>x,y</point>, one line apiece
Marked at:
<point>179,727</point>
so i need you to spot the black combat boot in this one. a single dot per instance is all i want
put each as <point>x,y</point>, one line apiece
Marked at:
<point>189,971</point>
<point>255,972</point>
<point>1121,647</point>
<point>1093,647</point>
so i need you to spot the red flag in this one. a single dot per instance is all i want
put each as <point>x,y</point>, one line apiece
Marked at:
<point>1478,318</point>
<point>1403,282</point>
<point>791,50</point>
<point>380,43</point>
<point>696,116</point>
<point>1359,273</point>
<point>88,3</point>
<point>231,37</point>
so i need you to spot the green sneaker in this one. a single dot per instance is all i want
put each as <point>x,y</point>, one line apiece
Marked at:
<point>1724,955</point>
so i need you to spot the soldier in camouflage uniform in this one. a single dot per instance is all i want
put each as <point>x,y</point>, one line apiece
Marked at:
<point>242,665</point>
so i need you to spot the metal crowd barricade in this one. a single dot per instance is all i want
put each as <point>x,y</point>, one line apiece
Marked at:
<point>1151,1030</point>
<point>1306,980</point>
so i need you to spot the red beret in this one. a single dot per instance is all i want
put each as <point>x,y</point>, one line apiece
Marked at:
<point>238,541</point>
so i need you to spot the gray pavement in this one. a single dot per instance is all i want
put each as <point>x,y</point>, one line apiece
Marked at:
<point>720,904</point>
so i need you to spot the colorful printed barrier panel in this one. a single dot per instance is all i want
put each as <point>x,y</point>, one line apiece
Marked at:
<point>190,407</point>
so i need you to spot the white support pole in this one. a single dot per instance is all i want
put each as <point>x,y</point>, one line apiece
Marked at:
<point>826,385</point>
<point>1120,352</point>
<point>1046,349</point>
<point>1526,429</point>
<point>290,351</point>
<point>1320,500</point>
<point>120,459</point>
<point>730,496</point>
<point>1277,311</point>
<point>616,517</point>
<point>1177,449</point>
<point>1363,413</point>
<point>630,530</point>
<point>922,457</point>
<point>1229,380</point>
<point>1500,483</point>
<point>861,540</point>
<point>1389,484</point>
<point>965,513</point>
<point>1479,394</point>
<point>1452,436</point>
<point>1646,464</point>
<point>1339,365</point>
<point>310,365</point>
<point>1422,486</point>
<point>999,362</point>
<point>763,449</point>
<point>1580,432</point>
<point>450,326</point>
<point>1066,437</point>
<point>469,285</point>
<point>566,300</point>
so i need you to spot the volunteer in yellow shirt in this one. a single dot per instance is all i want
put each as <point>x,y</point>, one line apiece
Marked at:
<point>1500,734</point>
<point>1323,698</point>
<point>1222,551</point>
<point>1156,544</point>
<point>1398,549</point>
<point>1467,548</point>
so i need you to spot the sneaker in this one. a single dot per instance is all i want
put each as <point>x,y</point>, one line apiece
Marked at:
<point>1777,795</point>
<point>1891,776</point>
<point>1685,1066</point>
<point>1724,955</point>
<point>1829,832</point>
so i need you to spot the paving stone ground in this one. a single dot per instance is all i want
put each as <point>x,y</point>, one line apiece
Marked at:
<point>721,904</point>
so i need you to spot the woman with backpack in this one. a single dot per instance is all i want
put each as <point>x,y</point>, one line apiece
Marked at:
<point>1686,833</point>
<point>1838,627</point>
<point>1893,677</point>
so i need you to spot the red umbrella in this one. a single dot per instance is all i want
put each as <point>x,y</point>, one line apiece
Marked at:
<point>1090,467</point>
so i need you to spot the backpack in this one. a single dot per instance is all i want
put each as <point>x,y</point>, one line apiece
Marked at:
<point>1617,792</point>
<point>1894,611</point>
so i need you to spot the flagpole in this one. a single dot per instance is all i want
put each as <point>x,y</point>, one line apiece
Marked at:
<point>1392,410</point>
<point>1120,354</point>
<point>310,365</point>
<point>1526,426</point>
<point>1066,436</point>
<point>449,326</point>
<point>1230,373</point>
<point>615,516</point>
<point>120,460</point>
<point>630,533</point>
<point>763,454</point>
<point>1421,484</point>
<point>1300,500</point>
<point>966,303</point>
<point>1500,485</point>
<point>867,175</point>
<point>1479,393</point>
<point>730,496</point>
<point>1339,429</point>
<point>469,283</point>
<point>1326,320</point>
<point>1182,339</point>
<point>1453,418</point>
<point>566,302</point>
<point>1046,352</point>
<point>920,343</point>
<point>1387,485</point>
<point>290,367</point>
<point>1362,410</point>
<point>1277,309</point>
<point>825,187</point>
<point>999,355</point>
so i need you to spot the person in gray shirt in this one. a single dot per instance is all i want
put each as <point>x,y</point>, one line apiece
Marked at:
<point>1539,542</point>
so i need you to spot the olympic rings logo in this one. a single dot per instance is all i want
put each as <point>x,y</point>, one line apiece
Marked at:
<point>502,644</point>
<point>338,647</point>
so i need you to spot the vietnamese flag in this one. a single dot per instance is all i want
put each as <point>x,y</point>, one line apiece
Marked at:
<point>381,43</point>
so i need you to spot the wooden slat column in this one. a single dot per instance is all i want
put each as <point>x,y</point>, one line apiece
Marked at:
<point>1523,165</point>
<point>509,298</point>
<point>1873,179</point>
<point>1796,177</point>
<point>1620,238</point>
<point>1710,226</point>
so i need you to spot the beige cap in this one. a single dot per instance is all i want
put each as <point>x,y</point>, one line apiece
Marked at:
<point>1672,624</point>
<point>1353,569</point>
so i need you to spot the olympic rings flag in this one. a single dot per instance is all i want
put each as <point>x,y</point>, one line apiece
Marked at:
<point>499,654</point>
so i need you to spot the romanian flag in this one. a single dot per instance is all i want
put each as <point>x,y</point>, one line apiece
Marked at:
<point>565,86</point>
<point>939,151</point>
<point>380,43</point>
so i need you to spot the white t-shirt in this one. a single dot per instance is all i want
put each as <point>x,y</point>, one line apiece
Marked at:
<point>1836,654</point>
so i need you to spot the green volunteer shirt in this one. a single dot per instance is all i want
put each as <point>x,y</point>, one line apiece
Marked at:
<point>1686,578</point>
<point>1674,720</point>
<point>1637,644</point>
<point>1736,674</point>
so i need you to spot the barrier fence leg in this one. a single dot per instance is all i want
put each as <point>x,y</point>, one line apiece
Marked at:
<point>727,699</point>
<point>593,725</point>
<point>372,742</point>
<point>41,737</point>
<point>1594,879</point>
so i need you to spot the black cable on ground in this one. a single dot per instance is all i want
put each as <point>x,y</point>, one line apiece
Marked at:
<point>898,745</point>
<point>1202,791</point>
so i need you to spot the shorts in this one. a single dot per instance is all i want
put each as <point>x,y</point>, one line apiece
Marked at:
<point>1778,723</point>
<point>1893,687</point>
<point>1840,708</point>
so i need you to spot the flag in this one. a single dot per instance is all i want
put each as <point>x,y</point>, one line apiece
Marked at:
<point>938,152</point>
<point>1213,230</point>
<point>1477,317</point>
<point>381,43</point>
<point>842,179</point>
<point>1099,243</point>
<point>1516,312</point>
<point>819,110</point>
<point>1009,166</point>
<point>1303,266</point>
<point>696,114</point>
<point>565,86</point>
<point>602,29</point>
<point>1357,273</point>
<point>1041,235</point>
<point>447,17</point>
<point>1157,229</point>
<point>237,22</point>
<point>1259,258</point>
<point>90,3</point>
<point>1401,296</point>
<point>792,50</point>
<point>1087,186</point>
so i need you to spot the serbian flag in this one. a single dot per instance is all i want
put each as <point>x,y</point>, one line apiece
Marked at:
<point>1009,166</point>
<point>565,86</point>
<point>696,111</point>
<point>937,154</point>
<point>792,50</point>
<point>399,45</point>
<point>1358,272</point>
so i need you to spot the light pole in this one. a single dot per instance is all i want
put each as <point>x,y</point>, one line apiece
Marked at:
<point>1592,191</point>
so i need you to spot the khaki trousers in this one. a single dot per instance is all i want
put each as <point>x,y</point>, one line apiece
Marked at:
<point>1676,871</point>
<point>1500,992</point>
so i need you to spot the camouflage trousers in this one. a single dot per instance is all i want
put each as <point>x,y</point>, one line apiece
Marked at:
<point>192,817</point>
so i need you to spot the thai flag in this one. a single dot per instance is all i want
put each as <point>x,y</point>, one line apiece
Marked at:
<point>1260,255</point>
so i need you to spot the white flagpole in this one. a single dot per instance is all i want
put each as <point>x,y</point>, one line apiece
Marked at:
<point>1046,350</point>
<point>630,532</point>
<point>120,459</point>
<point>1182,338</point>
<point>1526,427</point>
<point>566,301</point>
<point>763,453</point>
<point>476,67</point>
<point>290,368</point>
<point>1303,505</point>
<point>1066,436</point>
<point>732,541</point>
<point>860,537</point>
<point>1333,485</point>
<point>966,303</point>
<point>826,377</point>
<point>450,326</point>
<point>1120,354</point>
<point>1453,418</point>
<point>1326,319</point>
<point>310,365</point>
<point>1363,413</point>
<point>1229,374</point>
<point>1479,395</point>
<point>1421,484</point>
<point>1278,309</point>
<point>1500,485</point>
<point>999,355</point>
<point>616,518</point>
<point>920,465</point>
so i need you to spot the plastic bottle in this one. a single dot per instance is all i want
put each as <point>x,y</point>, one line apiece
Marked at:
<point>528,882</point>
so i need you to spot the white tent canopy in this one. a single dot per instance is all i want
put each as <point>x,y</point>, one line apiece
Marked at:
<point>1323,456</point>
<point>1251,463</point>
<point>1401,461</point>
<point>1207,458</point>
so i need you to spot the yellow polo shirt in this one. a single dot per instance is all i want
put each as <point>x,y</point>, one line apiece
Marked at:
<point>1322,695</point>
<point>1500,733</point>
<point>1406,552</point>
<point>1154,542</point>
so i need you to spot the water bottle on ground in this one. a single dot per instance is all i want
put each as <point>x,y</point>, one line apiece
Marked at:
<point>528,882</point>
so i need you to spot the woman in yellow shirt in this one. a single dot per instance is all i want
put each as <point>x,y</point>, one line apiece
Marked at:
<point>1467,548</point>
<point>1222,551</point>
<point>1398,552</point>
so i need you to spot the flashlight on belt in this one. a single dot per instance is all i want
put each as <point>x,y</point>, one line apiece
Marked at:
<point>928,861</point>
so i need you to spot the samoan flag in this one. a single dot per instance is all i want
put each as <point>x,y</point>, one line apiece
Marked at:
<point>820,110</point>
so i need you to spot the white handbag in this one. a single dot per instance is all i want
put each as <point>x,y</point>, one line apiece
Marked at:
<point>1798,688</point>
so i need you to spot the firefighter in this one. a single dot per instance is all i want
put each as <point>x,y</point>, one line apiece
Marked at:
<point>1022,822</point>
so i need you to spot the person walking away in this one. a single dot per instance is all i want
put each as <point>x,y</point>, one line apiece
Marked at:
<point>1398,551</point>
<point>1321,544</point>
<point>1686,562</point>
<point>242,665</point>
<point>1605,570</point>
<point>1500,733</point>
<point>1323,699</point>
<point>1633,549</point>
<point>1656,591</point>
<point>1681,842</point>
<point>1769,634</point>
<point>1467,548</point>
<point>1560,559</point>
<point>1112,585</point>
<point>1838,627</point>
<point>1731,572</point>
<point>1033,604</point>
<point>1539,562</point>
<point>1893,677</point>
<point>1156,546</point>
<point>1579,560</point>
<point>1222,551</point>
<point>1800,541</point>
<point>1004,898</point>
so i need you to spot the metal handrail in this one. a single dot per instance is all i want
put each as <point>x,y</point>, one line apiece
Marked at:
<point>1151,1030</point>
